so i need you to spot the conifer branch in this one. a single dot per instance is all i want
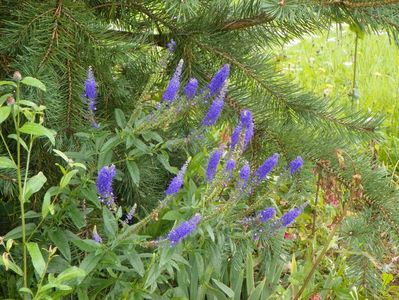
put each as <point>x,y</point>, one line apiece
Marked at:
<point>351,4</point>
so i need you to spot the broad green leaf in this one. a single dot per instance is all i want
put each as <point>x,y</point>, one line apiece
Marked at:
<point>28,103</point>
<point>26,290</point>
<point>90,262</point>
<point>136,262</point>
<point>77,216</point>
<point>140,145</point>
<point>72,273</point>
<point>67,178</point>
<point>61,242</point>
<point>172,215</point>
<point>249,274</point>
<point>38,130</point>
<point>62,155</point>
<point>164,160</point>
<point>86,245</point>
<point>34,185</point>
<point>4,113</point>
<point>228,291</point>
<point>33,82</point>
<point>4,82</point>
<point>110,224</point>
<point>120,118</point>
<point>16,233</point>
<point>37,258</point>
<point>152,135</point>
<point>32,215</point>
<point>133,171</point>
<point>4,97</point>
<point>47,206</point>
<point>256,293</point>
<point>21,141</point>
<point>6,163</point>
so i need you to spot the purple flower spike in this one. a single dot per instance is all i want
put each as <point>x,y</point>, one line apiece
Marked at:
<point>235,136</point>
<point>183,230</point>
<point>215,109</point>
<point>295,165</point>
<point>266,167</point>
<point>104,184</point>
<point>230,166</point>
<point>266,214</point>
<point>90,89</point>
<point>191,88</point>
<point>171,46</point>
<point>290,216</point>
<point>218,80</point>
<point>245,172</point>
<point>246,120</point>
<point>174,84</point>
<point>213,164</point>
<point>177,182</point>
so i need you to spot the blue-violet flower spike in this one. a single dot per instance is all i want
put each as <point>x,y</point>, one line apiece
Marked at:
<point>215,109</point>
<point>177,182</point>
<point>171,46</point>
<point>230,166</point>
<point>174,84</point>
<point>235,136</point>
<point>246,120</point>
<point>183,230</point>
<point>295,165</point>
<point>131,213</point>
<point>90,89</point>
<point>266,214</point>
<point>290,216</point>
<point>104,184</point>
<point>266,167</point>
<point>213,164</point>
<point>191,88</point>
<point>218,80</point>
<point>96,237</point>
<point>245,172</point>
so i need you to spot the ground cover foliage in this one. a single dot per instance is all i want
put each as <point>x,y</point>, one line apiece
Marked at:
<point>152,150</point>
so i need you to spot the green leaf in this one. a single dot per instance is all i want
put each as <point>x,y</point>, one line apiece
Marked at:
<point>67,178</point>
<point>62,155</point>
<point>47,206</point>
<point>249,274</point>
<point>26,290</point>
<point>136,262</point>
<point>6,163</point>
<point>90,262</point>
<point>110,224</point>
<point>4,113</point>
<point>164,160</point>
<point>3,98</point>
<point>61,242</point>
<point>120,118</point>
<point>133,171</point>
<point>228,291</point>
<point>33,82</point>
<point>4,82</point>
<point>8,264</point>
<point>140,145</point>
<point>34,185</point>
<point>86,245</point>
<point>21,141</point>
<point>16,233</point>
<point>256,293</point>
<point>37,258</point>
<point>72,273</point>
<point>38,130</point>
<point>77,216</point>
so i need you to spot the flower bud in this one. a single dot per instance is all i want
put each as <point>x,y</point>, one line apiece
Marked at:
<point>17,76</point>
<point>10,100</point>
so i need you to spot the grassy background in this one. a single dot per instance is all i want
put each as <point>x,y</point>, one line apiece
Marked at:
<point>324,65</point>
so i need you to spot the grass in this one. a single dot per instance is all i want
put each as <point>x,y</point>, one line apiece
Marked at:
<point>324,65</point>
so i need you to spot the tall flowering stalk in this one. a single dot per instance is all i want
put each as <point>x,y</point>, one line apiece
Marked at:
<point>174,84</point>
<point>266,167</point>
<point>215,109</point>
<point>130,214</point>
<point>248,124</point>
<point>244,173</point>
<point>230,166</point>
<point>171,46</point>
<point>191,88</point>
<point>295,165</point>
<point>218,80</point>
<point>266,214</point>
<point>183,230</point>
<point>213,164</point>
<point>90,93</point>
<point>104,185</point>
<point>177,182</point>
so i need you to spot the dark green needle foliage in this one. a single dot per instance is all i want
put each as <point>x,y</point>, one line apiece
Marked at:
<point>125,43</point>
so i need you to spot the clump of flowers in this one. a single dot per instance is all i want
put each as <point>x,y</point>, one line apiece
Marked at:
<point>244,128</point>
<point>230,166</point>
<point>266,167</point>
<point>183,230</point>
<point>104,185</point>
<point>266,214</point>
<point>244,174</point>
<point>130,214</point>
<point>171,45</point>
<point>177,182</point>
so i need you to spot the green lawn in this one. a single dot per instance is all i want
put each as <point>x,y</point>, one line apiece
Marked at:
<point>324,65</point>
